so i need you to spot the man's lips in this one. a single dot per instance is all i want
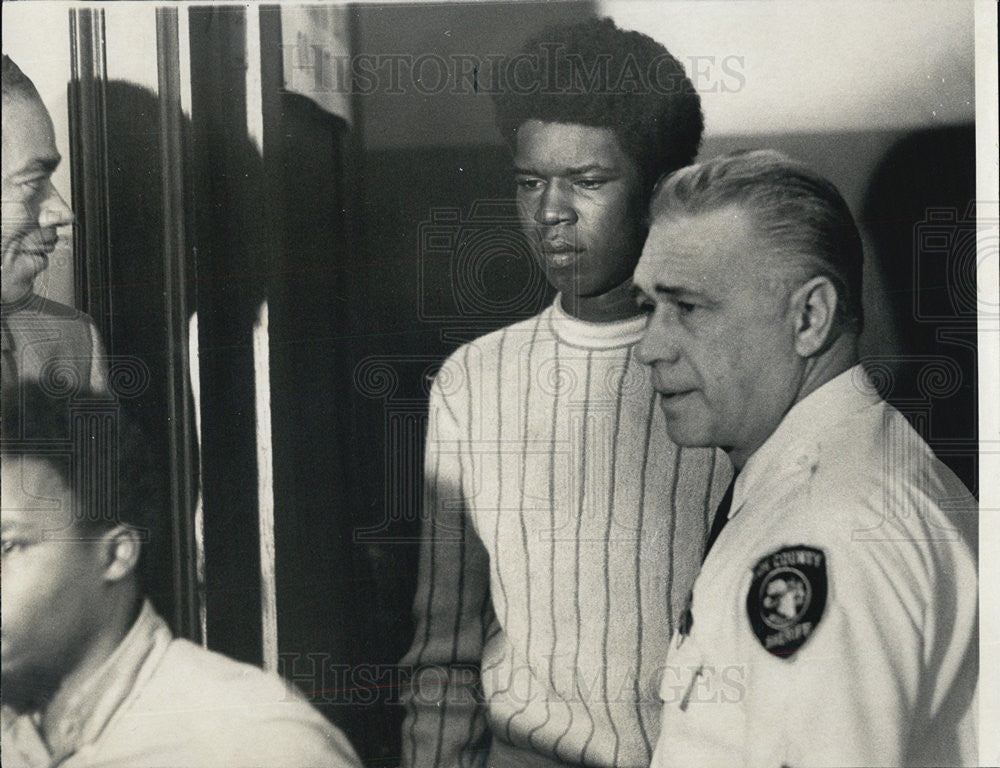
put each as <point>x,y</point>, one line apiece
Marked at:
<point>559,254</point>
<point>558,247</point>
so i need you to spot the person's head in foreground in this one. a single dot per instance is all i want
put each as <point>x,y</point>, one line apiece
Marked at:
<point>91,674</point>
<point>80,497</point>
<point>752,275</point>
<point>594,115</point>
<point>32,208</point>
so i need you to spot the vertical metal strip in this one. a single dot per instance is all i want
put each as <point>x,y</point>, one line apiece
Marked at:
<point>262,377</point>
<point>987,214</point>
<point>199,507</point>
<point>255,96</point>
<point>184,46</point>
<point>181,432</point>
<point>88,161</point>
<point>265,490</point>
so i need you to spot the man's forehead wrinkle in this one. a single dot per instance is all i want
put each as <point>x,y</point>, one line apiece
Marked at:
<point>565,169</point>
<point>568,146</point>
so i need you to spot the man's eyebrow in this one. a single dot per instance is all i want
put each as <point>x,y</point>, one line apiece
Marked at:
<point>590,168</point>
<point>662,289</point>
<point>41,165</point>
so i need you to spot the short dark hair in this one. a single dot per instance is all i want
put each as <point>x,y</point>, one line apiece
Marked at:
<point>97,450</point>
<point>593,73</point>
<point>15,82</point>
<point>800,212</point>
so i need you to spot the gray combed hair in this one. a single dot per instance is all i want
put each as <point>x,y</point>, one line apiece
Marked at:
<point>797,210</point>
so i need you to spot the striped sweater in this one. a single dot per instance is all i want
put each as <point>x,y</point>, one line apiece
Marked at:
<point>562,533</point>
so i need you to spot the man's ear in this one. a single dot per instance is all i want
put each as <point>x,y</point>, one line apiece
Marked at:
<point>814,307</point>
<point>124,546</point>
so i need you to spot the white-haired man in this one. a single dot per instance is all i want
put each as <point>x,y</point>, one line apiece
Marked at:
<point>834,621</point>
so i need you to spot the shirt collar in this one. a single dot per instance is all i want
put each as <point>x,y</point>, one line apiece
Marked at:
<point>797,439</point>
<point>581,333</point>
<point>84,711</point>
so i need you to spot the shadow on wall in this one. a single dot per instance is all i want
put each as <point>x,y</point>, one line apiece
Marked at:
<point>226,281</point>
<point>252,235</point>
<point>919,213</point>
<point>138,317</point>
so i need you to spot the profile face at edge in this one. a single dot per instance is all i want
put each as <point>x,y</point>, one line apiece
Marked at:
<point>32,208</point>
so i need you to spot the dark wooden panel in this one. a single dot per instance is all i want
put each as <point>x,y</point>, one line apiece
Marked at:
<point>228,239</point>
<point>89,165</point>
<point>182,458</point>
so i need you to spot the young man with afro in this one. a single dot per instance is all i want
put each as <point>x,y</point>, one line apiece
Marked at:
<point>562,527</point>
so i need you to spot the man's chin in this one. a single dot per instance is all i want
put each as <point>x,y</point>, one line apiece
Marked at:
<point>20,273</point>
<point>685,435</point>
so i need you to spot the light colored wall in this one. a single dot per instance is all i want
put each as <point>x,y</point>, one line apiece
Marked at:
<point>820,66</point>
<point>834,83</point>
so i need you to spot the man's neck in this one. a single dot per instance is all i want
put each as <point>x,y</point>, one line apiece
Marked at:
<point>98,651</point>
<point>840,356</point>
<point>617,304</point>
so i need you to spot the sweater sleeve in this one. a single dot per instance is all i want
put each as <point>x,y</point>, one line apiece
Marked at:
<point>445,722</point>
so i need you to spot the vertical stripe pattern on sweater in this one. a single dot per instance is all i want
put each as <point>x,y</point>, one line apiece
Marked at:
<point>582,527</point>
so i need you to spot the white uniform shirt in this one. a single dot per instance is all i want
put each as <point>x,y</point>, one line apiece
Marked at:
<point>844,498</point>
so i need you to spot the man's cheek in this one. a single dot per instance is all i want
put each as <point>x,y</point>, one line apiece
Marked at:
<point>11,605</point>
<point>17,210</point>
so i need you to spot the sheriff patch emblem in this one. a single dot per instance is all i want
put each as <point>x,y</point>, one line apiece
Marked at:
<point>787,598</point>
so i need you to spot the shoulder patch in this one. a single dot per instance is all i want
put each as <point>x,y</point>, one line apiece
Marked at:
<point>787,597</point>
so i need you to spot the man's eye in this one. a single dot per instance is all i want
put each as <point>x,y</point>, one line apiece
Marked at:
<point>529,183</point>
<point>34,184</point>
<point>683,307</point>
<point>591,183</point>
<point>644,304</point>
<point>9,545</point>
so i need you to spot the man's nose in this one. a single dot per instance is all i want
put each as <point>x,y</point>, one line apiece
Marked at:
<point>53,212</point>
<point>658,342</point>
<point>555,206</point>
